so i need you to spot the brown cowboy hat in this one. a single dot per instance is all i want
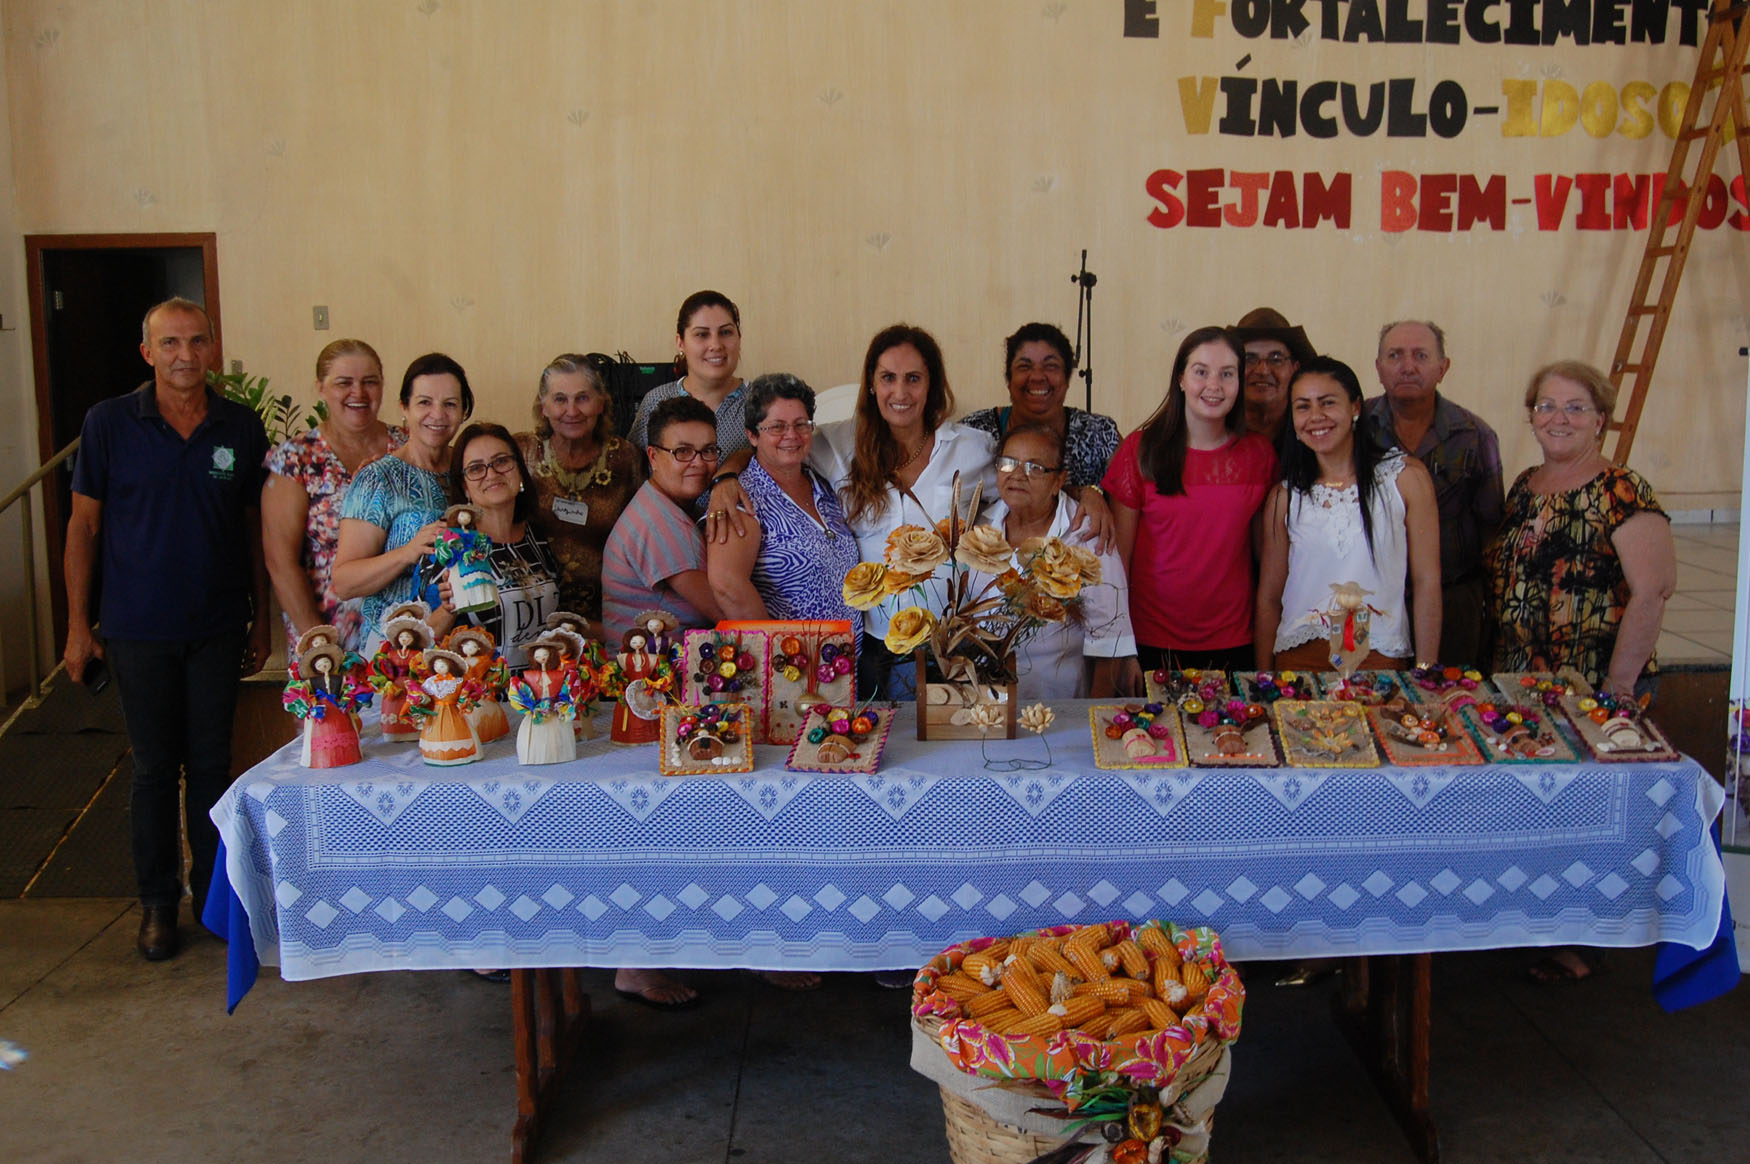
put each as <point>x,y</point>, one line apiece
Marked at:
<point>1268,323</point>
<point>458,665</point>
<point>333,652</point>
<point>319,631</point>
<point>423,636</point>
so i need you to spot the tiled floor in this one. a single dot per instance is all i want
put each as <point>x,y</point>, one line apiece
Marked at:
<point>1698,618</point>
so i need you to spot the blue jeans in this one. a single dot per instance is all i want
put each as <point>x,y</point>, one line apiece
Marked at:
<point>178,701</point>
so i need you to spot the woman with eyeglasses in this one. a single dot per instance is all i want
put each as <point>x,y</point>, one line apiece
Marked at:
<point>1038,364</point>
<point>1186,488</point>
<point>1584,562</point>
<point>655,556</point>
<point>1055,663</point>
<point>584,475</point>
<point>488,469</point>
<point>792,563</point>
<point>392,514</point>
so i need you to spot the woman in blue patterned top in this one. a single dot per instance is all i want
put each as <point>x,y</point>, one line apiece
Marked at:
<point>795,559</point>
<point>393,512</point>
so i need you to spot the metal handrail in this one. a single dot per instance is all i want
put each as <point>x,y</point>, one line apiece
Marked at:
<point>27,531</point>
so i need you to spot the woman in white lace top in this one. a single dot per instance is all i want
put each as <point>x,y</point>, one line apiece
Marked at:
<point>1347,511</point>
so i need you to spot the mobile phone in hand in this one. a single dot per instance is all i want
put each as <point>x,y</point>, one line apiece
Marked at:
<point>96,676</point>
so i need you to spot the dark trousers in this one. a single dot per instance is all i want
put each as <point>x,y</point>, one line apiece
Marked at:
<point>178,700</point>
<point>1224,659</point>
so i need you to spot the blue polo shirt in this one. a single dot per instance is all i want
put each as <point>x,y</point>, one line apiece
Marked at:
<point>174,557</point>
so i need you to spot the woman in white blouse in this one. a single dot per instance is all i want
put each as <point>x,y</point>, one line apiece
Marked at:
<point>894,464</point>
<point>1053,664</point>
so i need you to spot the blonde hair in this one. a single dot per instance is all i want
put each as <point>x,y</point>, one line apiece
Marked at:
<point>1596,383</point>
<point>344,347</point>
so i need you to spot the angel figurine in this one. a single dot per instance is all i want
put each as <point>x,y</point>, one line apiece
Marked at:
<point>486,668</point>
<point>442,700</point>
<point>466,555</point>
<point>326,691</point>
<point>546,694</point>
<point>636,716</point>
<point>1349,618</point>
<point>396,664</point>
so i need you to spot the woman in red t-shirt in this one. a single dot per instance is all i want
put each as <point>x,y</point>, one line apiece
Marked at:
<point>1185,489</point>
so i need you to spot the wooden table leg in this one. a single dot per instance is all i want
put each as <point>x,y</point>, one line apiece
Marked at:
<point>1386,1011</point>
<point>548,1013</point>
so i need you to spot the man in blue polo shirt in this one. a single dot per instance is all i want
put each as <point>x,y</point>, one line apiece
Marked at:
<point>166,516</point>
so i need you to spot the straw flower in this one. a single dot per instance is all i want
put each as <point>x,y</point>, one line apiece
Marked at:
<point>897,583</point>
<point>984,548</point>
<point>1041,605</point>
<point>1054,568</point>
<point>864,585</point>
<point>1087,564</point>
<point>1037,718</point>
<point>909,630</point>
<point>912,549</point>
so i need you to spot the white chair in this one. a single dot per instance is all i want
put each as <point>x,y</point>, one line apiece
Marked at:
<point>839,403</point>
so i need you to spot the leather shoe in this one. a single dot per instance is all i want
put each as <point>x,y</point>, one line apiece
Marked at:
<point>157,932</point>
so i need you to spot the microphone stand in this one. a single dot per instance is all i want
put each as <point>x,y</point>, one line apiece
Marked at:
<point>1085,279</point>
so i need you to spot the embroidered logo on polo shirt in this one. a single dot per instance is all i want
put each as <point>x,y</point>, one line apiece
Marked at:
<point>224,461</point>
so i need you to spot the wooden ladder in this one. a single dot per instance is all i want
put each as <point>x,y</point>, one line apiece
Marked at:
<point>1721,67</point>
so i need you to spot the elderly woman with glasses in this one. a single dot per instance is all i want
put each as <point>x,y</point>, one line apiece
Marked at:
<point>1055,663</point>
<point>655,556</point>
<point>798,547</point>
<point>584,475</point>
<point>488,469</point>
<point>1584,561</point>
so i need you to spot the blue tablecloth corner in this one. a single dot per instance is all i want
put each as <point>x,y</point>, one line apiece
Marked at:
<point>225,917</point>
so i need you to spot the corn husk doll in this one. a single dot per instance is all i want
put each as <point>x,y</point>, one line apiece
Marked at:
<point>441,699</point>
<point>326,691</point>
<point>396,664</point>
<point>546,694</point>
<point>585,656</point>
<point>466,555</point>
<point>485,667</point>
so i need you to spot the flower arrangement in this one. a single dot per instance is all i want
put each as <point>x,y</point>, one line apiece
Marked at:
<point>992,597</point>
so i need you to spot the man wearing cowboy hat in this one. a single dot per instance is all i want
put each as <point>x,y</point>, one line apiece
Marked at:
<point>1463,454</point>
<point>1274,352</point>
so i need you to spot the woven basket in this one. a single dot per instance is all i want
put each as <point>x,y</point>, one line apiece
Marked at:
<point>976,1137</point>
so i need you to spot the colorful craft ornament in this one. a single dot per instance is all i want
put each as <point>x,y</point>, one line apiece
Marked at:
<point>441,699</point>
<point>1523,733</point>
<point>326,691</point>
<point>487,669</point>
<point>642,681</point>
<point>546,694</point>
<point>1349,619</point>
<point>807,663</point>
<point>1224,733</point>
<point>840,738</point>
<point>1456,687</point>
<point>584,654</point>
<point>705,740</point>
<point>396,664</point>
<point>466,555</point>
<point>1138,735</point>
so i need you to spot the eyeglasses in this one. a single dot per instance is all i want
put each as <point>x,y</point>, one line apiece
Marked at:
<point>685,453</point>
<point>501,464</point>
<point>1028,469</point>
<point>1273,360</point>
<point>1544,409</point>
<point>778,428</point>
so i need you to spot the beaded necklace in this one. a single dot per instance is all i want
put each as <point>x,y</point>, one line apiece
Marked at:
<point>573,482</point>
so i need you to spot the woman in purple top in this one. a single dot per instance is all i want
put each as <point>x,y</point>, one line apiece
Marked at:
<point>800,548</point>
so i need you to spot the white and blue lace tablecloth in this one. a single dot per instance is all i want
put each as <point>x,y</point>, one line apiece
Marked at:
<point>391,864</point>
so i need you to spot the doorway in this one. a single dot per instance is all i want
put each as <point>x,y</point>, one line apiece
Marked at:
<point>88,293</point>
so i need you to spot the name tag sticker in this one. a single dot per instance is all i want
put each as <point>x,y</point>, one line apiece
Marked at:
<point>571,510</point>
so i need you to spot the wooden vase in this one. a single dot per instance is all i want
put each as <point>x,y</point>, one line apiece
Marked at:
<point>939,701</point>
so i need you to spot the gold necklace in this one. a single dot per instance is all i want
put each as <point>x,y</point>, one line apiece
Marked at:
<point>915,453</point>
<point>574,481</point>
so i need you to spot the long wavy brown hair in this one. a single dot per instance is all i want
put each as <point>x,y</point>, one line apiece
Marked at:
<point>878,455</point>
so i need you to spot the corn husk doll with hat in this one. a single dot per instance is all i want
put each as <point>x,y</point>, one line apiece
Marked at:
<point>442,698</point>
<point>406,638</point>
<point>466,556</point>
<point>326,692</point>
<point>485,667</point>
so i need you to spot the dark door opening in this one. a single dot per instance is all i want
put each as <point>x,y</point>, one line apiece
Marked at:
<point>87,296</point>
